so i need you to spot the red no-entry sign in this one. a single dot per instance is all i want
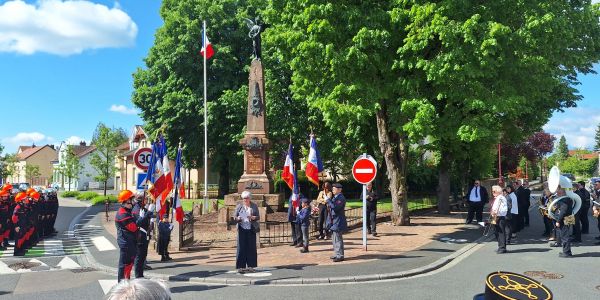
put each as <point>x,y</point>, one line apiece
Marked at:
<point>364,169</point>
<point>142,158</point>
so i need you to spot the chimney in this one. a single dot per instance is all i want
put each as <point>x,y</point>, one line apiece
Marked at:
<point>82,143</point>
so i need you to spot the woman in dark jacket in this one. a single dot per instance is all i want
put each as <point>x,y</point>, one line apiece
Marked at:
<point>247,217</point>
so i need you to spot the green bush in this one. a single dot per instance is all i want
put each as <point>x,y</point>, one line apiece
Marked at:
<point>100,199</point>
<point>86,195</point>
<point>70,194</point>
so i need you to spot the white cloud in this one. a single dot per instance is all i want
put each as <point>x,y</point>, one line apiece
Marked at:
<point>123,109</point>
<point>63,27</point>
<point>74,140</point>
<point>577,124</point>
<point>25,139</point>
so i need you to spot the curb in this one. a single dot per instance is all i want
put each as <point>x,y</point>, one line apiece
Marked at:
<point>90,261</point>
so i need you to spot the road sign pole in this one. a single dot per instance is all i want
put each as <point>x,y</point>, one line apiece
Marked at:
<point>365,217</point>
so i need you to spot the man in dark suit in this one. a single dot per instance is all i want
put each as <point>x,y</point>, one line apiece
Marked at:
<point>523,195</point>
<point>477,197</point>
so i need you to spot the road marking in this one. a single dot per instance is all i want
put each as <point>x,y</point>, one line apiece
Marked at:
<point>106,285</point>
<point>102,243</point>
<point>4,269</point>
<point>364,171</point>
<point>53,247</point>
<point>68,263</point>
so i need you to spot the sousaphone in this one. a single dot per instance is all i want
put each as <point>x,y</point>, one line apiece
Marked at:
<point>554,181</point>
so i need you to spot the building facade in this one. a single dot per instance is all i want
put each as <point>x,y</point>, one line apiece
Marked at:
<point>34,156</point>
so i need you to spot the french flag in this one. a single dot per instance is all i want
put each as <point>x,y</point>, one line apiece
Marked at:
<point>290,177</point>
<point>167,173</point>
<point>314,164</point>
<point>207,48</point>
<point>178,182</point>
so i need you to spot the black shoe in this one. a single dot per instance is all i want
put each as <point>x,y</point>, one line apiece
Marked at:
<point>468,222</point>
<point>565,255</point>
<point>147,267</point>
<point>169,258</point>
<point>374,233</point>
<point>293,244</point>
<point>163,258</point>
<point>338,259</point>
<point>501,251</point>
<point>368,231</point>
<point>304,250</point>
<point>320,237</point>
<point>333,257</point>
<point>598,237</point>
<point>555,244</point>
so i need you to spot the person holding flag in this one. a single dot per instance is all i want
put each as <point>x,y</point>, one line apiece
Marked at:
<point>290,177</point>
<point>313,167</point>
<point>179,184</point>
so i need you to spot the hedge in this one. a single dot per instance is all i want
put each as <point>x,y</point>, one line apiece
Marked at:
<point>86,195</point>
<point>70,194</point>
<point>100,199</point>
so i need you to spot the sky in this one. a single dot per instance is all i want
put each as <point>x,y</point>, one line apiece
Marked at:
<point>67,65</point>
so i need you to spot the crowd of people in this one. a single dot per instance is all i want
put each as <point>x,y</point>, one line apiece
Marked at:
<point>562,225</point>
<point>27,216</point>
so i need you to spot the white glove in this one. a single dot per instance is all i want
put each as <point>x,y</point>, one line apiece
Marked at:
<point>171,227</point>
<point>142,213</point>
<point>151,207</point>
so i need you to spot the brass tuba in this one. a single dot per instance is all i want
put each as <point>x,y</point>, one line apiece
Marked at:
<point>554,181</point>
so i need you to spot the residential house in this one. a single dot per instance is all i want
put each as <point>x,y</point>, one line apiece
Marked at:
<point>86,178</point>
<point>40,156</point>
<point>128,174</point>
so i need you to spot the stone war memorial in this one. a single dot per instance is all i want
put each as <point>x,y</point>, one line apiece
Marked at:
<point>256,177</point>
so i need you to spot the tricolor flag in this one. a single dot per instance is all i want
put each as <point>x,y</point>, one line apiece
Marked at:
<point>167,171</point>
<point>206,46</point>
<point>314,164</point>
<point>290,177</point>
<point>178,183</point>
<point>159,186</point>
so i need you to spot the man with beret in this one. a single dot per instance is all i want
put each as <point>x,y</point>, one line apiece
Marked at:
<point>336,221</point>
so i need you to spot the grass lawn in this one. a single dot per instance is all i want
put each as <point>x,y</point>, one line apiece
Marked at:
<point>383,205</point>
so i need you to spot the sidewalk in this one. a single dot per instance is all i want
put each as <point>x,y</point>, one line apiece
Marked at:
<point>430,243</point>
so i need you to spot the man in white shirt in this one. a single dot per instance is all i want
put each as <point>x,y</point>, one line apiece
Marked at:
<point>478,197</point>
<point>499,212</point>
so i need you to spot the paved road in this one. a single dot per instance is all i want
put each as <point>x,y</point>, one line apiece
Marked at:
<point>461,279</point>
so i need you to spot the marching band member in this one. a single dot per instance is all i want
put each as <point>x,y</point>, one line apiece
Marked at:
<point>499,212</point>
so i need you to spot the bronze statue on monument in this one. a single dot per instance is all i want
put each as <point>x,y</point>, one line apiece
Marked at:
<point>257,177</point>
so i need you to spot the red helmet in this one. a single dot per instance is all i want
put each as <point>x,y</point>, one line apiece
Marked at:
<point>35,195</point>
<point>4,193</point>
<point>7,187</point>
<point>29,191</point>
<point>125,195</point>
<point>20,196</point>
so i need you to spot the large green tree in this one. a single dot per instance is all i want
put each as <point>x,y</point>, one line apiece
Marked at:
<point>597,139</point>
<point>170,89</point>
<point>562,150</point>
<point>105,140</point>
<point>71,166</point>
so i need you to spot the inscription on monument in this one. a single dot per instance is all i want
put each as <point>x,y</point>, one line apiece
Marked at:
<point>253,185</point>
<point>253,144</point>
<point>254,163</point>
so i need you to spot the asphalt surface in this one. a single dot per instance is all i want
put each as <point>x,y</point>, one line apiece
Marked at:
<point>460,279</point>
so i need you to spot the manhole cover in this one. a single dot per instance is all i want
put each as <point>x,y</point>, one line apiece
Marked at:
<point>24,265</point>
<point>83,270</point>
<point>543,275</point>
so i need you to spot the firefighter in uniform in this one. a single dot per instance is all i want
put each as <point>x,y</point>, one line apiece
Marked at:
<point>4,217</point>
<point>143,235</point>
<point>19,220</point>
<point>127,230</point>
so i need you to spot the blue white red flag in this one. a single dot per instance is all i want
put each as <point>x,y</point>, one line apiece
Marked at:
<point>314,164</point>
<point>290,176</point>
<point>206,46</point>
<point>178,183</point>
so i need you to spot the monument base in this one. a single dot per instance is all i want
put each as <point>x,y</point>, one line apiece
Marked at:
<point>273,202</point>
<point>259,184</point>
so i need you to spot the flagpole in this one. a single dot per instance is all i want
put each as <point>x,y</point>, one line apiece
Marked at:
<point>205,123</point>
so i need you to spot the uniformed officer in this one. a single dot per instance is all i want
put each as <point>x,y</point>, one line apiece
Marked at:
<point>336,221</point>
<point>4,218</point>
<point>52,212</point>
<point>564,208</point>
<point>127,230</point>
<point>35,218</point>
<point>19,220</point>
<point>143,235</point>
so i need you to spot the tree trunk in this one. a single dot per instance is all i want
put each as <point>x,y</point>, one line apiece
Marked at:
<point>394,148</point>
<point>224,179</point>
<point>443,190</point>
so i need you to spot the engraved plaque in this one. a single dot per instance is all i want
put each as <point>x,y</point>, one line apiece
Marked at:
<point>255,163</point>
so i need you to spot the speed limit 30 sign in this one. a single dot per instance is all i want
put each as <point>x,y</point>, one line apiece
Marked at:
<point>142,158</point>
